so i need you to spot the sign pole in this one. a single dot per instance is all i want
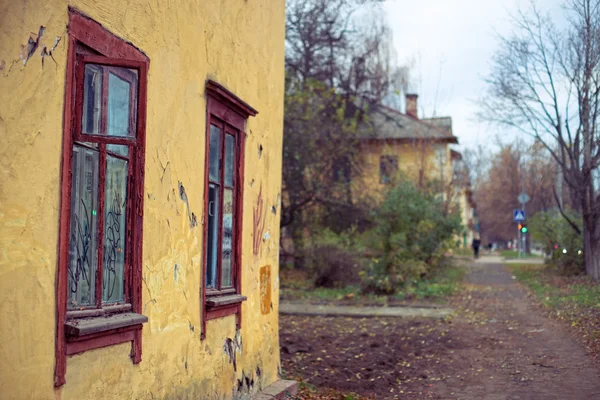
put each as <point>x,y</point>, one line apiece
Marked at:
<point>523,236</point>
<point>518,241</point>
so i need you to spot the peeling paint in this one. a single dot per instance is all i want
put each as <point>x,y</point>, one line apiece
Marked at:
<point>191,215</point>
<point>231,347</point>
<point>45,52</point>
<point>32,45</point>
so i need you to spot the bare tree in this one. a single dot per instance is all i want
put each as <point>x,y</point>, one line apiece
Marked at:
<point>338,67</point>
<point>497,188</point>
<point>546,83</point>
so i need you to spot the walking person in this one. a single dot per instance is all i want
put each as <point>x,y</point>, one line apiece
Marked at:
<point>475,245</point>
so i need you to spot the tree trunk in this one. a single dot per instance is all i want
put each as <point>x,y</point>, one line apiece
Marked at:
<point>591,250</point>
<point>298,238</point>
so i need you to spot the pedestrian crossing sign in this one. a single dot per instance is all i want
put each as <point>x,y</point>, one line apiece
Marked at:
<point>519,215</point>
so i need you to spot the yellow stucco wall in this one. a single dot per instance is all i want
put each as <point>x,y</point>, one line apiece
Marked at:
<point>412,157</point>
<point>238,43</point>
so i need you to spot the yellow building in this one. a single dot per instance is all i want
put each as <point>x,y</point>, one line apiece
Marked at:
<point>140,174</point>
<point>395,144</point>
<point>463,196</point>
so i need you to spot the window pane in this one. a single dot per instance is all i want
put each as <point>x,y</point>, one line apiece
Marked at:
<point>115,201</point>
<point>227,254</point>
<point>215,154</point>
<point>83,250</point>
<point>213,236</point>
<point>120,109</point>
<point>229,157</point>
<point>119,149</point>
<point>92,99</point>
<point>119,117</point>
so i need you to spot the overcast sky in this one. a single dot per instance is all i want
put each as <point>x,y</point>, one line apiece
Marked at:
<point>449,44</point>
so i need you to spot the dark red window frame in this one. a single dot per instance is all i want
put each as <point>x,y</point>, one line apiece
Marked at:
<point>89,42</point>
<point>230,113</point>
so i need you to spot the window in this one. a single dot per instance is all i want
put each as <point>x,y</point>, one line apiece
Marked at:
<point>388,168</point>
<point>226,117</point>
<point>99,279</point>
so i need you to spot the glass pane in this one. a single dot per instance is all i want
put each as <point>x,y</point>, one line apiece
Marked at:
<point>119,98</point>
<point>92,99</point>
<point>215,154</point>
<point>83,250</point>
<point>115,201</point>
<point>229,157</point>
<point>212,236</point>
<point>119,149</point>
<point>227,254</point>
<point>119,107</point>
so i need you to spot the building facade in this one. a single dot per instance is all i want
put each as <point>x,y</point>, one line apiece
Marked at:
<point>397,145</point>
<point>140,178</point>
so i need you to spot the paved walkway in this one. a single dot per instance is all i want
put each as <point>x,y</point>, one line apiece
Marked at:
<point>514,352</point>
<point>358,311</point>
<point>493,259</point>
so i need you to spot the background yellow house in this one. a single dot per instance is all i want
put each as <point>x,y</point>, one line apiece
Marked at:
<point>395,145</point>
<point>140,174</point>
<point>463,196</point>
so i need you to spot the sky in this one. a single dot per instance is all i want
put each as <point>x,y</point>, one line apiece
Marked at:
<point>448,45</point>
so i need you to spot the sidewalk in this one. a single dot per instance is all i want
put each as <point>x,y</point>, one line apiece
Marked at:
<point>352,311</point>
<point>494,259</point>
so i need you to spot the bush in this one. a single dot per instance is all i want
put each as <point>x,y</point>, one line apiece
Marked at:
<point>412,233</point>
<point>555,234</point>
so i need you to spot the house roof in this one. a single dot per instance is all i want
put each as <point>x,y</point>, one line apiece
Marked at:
<point>387,123</point>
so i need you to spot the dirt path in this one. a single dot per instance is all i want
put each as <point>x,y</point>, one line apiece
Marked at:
<point>519,353</point>
<point>499,346</point>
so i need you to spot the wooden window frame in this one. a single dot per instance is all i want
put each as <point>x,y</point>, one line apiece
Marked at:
<point>105,324</point>
<point>231,114</point>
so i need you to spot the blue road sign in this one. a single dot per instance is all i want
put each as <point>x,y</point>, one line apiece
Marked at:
<point>519,215</point>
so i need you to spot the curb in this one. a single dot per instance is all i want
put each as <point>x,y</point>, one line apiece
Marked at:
<point>282,389</point>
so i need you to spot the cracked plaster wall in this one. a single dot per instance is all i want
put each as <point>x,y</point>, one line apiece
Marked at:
<point>240,44</point>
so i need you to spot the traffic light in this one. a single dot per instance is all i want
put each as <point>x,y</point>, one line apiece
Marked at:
<point>523,228</point>
<point>520,227</point>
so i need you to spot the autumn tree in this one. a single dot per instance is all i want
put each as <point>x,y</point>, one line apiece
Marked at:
<point>498,186</point>
<point>338,67</point>
<point>545,82</point>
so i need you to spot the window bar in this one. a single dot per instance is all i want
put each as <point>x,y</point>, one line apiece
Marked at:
<point>233,133</point>
<point>101,189</point>
<point>127,273</point>
<point>129,191</point>
<point>220,216</point>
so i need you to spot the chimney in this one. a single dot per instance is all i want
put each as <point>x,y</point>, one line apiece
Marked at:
<point>411,105</point>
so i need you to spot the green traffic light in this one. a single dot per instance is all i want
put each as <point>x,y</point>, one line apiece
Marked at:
<point>524,229</point>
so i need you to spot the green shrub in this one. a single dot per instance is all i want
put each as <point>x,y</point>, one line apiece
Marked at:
<point>555,234</point>
<point>413,231</point>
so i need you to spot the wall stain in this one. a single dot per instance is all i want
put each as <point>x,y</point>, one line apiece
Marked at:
<point>258,225</point>
<point>265,289</point>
